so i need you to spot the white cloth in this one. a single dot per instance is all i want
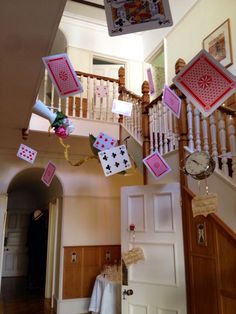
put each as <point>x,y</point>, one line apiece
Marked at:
<point>106,297</point>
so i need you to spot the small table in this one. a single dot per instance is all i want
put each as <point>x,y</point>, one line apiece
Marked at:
<point>106,296</point>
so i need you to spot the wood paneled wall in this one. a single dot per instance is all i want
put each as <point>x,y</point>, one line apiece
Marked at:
<point>211,264</point>
<point>81,266</point>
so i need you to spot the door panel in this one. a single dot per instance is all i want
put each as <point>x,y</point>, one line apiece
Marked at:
<point>158,282</point>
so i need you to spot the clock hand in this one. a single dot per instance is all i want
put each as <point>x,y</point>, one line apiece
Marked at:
<point>196,162</point>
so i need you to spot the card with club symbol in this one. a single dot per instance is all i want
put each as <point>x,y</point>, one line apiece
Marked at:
<point>27,153</point>
<point>114,160</point>
<point>62,75</point>
<point>131,16</point>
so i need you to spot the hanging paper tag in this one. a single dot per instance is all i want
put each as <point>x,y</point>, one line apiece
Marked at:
<point>204,204</point>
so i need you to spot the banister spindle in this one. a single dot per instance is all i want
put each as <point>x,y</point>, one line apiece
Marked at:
<point>197,129</point>
<point>190,125</point>
<point>232,143</point>
<point>151,129</point>
<point>222,134</point>
<point>214,139</point>
<point>205,133</point>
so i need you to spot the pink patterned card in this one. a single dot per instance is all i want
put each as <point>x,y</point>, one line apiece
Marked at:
<point>62,75</point>
<point>205,82</point>
<point>150,81</point>
<point>171,100</point>
<point>156,165</point>
<point>101,91</point>
<point>48,173</point>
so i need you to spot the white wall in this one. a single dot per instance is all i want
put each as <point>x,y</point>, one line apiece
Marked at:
<point>185,41</point>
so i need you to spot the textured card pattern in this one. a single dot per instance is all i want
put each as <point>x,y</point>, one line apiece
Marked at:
<point>171,100</point>
<point>26,153</point>
<point>101,91</point>
<point>122,107</point>
<point>156,165</point>
<point>104,141</point>
<point>205,82</point>
<point>150,81</point>
<point>131,16</point>
<point>48,173</point>
<point>114,160</point>
<point>62,75</point>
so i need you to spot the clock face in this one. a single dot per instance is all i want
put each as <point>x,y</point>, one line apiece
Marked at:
<point>197,163</point>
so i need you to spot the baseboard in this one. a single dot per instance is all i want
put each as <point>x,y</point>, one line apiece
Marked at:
<point>73,306</point>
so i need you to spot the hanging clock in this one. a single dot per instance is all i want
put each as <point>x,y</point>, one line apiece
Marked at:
<point>199,165</point>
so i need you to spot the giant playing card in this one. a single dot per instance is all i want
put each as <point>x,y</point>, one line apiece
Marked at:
<point>205,82</point>
<point>62,75</point>
<point>129,16</point>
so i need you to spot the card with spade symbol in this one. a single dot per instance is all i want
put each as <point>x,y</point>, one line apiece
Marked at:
<point>114,160</point>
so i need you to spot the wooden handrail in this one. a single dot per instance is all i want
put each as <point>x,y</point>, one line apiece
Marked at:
<point>98,77</point>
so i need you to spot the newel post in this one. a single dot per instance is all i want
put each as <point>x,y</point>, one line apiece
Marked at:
<point>121,75</point>
<point>145,126</point>
<point>182,124</point>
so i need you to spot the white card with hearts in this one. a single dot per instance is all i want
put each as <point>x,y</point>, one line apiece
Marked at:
<point>104,141</point>
<point>114,160</point>
<point>27,153</point>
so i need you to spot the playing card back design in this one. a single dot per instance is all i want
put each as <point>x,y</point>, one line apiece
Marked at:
<point>205,82</point>
<point>114,160</point>
<point>131,16</point>
<point>172,101</point>
<point>156,165</point>
<point>26,153</point>
<point>150,81</point>
<point>48,173</point>
<point>104,141</point>
<point>62,75</point>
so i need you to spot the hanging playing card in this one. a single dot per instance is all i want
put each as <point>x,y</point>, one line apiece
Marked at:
<point>27,153</point>
<point>48,173</point>
<point>104,141</point>
<point>122,107</point>
<point>114,160</point>
<point>150,81</point>
<point>62,75</point>
<point>156,165</point>
<point>101,91</point>
<point>205,82</point>
<point>131,16</point>
<point>172,101</point>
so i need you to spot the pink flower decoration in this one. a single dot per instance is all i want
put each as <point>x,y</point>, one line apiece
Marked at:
<point>61,132</point>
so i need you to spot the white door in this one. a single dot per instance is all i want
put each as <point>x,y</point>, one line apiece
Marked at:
<point>158,282</point>
<point>15,257</point>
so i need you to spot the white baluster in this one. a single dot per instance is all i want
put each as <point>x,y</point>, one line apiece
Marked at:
<point>176,133</point>
<point>89,99</point>
<point>170,131</point>
<point>197,129</point>
<point>67,106</point>
<point>80,98</point>
<point>156,126</point>
<point>140,120</point>
<point>214,139</point>
<point>164,110</point>
<point>52,105</point>
<point>151,130</point>
<point>107,100</point>
<point>95,110</point>
<point>222,133</point>
<point>190,126</point>
<point>114,96</point>
<point>160,128</point>
<point>205,133</point>
<point>232,143</point>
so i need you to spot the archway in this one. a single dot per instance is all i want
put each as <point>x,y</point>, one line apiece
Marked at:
<point>26,239</point>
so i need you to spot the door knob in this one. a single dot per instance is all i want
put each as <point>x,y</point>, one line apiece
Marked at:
<point>127,292</point>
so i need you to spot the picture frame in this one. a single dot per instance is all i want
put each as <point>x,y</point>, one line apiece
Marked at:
<point>218,44</point>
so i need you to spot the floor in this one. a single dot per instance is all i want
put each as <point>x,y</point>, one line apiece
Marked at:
<point>17,299</point>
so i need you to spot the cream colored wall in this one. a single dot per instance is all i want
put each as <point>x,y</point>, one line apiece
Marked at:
<point>185,40</point>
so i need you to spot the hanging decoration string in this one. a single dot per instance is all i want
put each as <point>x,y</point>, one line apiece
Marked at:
<point>66,155</point>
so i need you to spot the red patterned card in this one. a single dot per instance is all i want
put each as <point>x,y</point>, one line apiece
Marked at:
<point>172,101</point>
<point>205,82</point>
<point>156,165</point>
<point>62,75</point>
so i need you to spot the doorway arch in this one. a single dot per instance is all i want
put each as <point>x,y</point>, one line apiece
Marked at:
<point>26,193</point>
